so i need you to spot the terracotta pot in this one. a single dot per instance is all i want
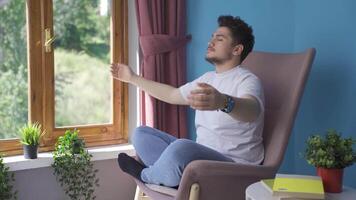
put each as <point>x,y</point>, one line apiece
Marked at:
<point>332,179</point>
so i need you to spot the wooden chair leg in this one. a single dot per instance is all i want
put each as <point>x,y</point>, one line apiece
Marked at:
<point>194,192</point>
<point>139,195</point>
<point>193,195</point>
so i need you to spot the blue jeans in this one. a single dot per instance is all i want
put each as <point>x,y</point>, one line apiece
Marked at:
<point>166,156</point>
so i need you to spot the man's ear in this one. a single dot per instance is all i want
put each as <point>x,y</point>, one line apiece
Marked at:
<point>238,50</point>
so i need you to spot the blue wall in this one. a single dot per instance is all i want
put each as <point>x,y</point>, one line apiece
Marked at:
<point>289,26</point>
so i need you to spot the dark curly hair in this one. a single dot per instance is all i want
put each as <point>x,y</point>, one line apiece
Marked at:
<point>241,32</point>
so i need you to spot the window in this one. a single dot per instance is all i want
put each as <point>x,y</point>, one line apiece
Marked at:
<point>69,46</point>
<point>13,69</point>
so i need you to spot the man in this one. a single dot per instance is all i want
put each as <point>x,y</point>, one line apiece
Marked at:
<point>229,106</point>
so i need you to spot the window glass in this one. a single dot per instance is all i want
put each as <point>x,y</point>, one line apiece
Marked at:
<point>13,68</point>
<point>83,87</point>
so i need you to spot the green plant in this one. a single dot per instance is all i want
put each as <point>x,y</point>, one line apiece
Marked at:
<point>5,182</point>
<point>333,151</point>
<point>31,134</point>
<point>72,167</point>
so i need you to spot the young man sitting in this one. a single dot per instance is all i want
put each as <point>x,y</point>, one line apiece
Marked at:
<point>229,106</point>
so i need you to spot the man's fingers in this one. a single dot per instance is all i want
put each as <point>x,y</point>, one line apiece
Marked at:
<point>198,97</point>
<point>201,107</point>
<point>199,104</point>
<point>201,91</point>
<point>120,65</point>
<point>114,71</point>
<point>201,84</point>
<point>113,65</point>
<point>117,65</point>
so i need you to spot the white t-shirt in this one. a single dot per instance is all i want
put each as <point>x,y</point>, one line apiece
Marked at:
<point>240,141</point>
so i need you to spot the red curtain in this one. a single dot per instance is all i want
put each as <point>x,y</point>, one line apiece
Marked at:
<point>162,38</point>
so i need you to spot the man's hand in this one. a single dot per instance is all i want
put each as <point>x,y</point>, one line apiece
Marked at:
<point>122,72</point>
<point>206,97</point>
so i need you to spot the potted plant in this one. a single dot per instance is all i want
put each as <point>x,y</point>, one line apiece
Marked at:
<point>73,168</point>
<point>330,155</point>
<point>30,138</point>
<point>5,182</point>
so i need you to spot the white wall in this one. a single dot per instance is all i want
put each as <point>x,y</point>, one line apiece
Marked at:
<point>41,184</point>
<point>133,62</point>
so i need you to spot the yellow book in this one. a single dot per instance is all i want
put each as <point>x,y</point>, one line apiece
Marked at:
<point>268,184</point>
<point>298,186</point>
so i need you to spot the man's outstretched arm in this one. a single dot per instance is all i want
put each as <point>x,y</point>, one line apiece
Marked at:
<point>160,91</point>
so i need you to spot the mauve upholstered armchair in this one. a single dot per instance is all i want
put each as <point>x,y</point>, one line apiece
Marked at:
<point>283,78</point>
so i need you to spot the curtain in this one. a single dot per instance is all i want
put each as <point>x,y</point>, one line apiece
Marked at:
<point>162,39</point>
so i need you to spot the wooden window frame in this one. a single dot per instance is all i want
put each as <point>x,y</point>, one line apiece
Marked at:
<point>41,81</point>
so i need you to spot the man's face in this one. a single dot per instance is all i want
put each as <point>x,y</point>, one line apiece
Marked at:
<point>220,47</point>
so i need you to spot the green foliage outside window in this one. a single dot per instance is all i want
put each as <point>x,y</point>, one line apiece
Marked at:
<point>76,90</point>
<point>13,70</point>
<point>13,36</point>
<point>13,102</point>
<point>80,31</point>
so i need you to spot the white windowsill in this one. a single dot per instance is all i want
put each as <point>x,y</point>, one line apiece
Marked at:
<point>16,163</point>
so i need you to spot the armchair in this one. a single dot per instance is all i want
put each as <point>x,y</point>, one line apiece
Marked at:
<point>283,77</point>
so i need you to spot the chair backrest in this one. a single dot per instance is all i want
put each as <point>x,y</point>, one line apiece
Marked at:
<point>283,78</point>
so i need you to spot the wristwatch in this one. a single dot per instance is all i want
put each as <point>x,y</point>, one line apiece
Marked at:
<point>229,104</point>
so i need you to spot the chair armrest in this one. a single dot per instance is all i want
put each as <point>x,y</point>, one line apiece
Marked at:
<point>221,180</point>
<point>201,168</point>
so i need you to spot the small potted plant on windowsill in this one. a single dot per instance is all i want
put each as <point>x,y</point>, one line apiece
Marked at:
<point>30,138</point>
<point>330,155</point>
<point>73,167</point>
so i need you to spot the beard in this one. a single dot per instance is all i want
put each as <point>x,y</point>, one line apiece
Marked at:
<point>215,60</point>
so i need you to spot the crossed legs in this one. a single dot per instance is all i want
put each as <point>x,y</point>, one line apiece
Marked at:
<point>165,157</point>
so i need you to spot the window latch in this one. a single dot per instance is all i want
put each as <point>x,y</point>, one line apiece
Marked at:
<point>49,39</point>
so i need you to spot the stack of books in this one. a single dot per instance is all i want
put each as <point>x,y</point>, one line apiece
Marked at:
<point>295,187</point>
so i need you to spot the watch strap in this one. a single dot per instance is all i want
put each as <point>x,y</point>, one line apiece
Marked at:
<point>229,104</point>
